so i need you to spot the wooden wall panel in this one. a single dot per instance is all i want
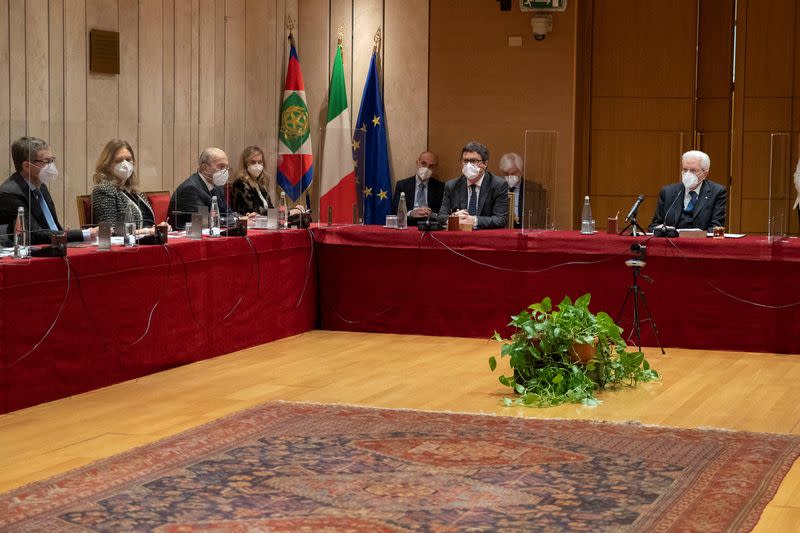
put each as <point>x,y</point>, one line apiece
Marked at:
<point>769,43</point>
<point>183,155</point>
<point>208,68</point>
<point>151,95</point>
<point>56,93</point>
<point>128,79</point>
<point>102,97</point>
<point>6,165</point>
<point>276,64</point>
<point>75,79</point>
<point>37,69</point>
<point>258,82</point>
<point>168,95</point>
<point>405,80</point>
<point>195,120</point>
<point>219,67</point>
<point>234,79</point>
<point>17,66</point>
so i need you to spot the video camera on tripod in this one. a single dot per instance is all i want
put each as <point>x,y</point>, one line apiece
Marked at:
<point>639,252</point>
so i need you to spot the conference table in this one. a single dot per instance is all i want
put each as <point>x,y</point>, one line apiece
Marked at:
<point>723,294</point>
<point>69,325</point>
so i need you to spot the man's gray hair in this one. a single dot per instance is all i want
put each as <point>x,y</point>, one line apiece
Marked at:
<point>510,160</point>
<point>209,154</point>
<point>705,161</point>
<point>478,148</point>
<point>25,149</point>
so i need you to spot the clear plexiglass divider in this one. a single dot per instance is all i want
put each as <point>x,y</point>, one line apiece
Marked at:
<point>537,205</point>
<point>780,197</point>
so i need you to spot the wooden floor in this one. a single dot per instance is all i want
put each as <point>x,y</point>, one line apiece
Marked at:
<point>739,391</point>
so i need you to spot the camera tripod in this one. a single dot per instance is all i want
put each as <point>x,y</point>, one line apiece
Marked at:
<point>638,295</point>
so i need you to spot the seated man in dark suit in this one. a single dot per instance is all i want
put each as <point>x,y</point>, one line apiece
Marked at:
<point>196,191</point>
<point>696,202</point>
<point>27,188</point>
<point>528,195</point>
<point>423,191</point>
<point>478,197</point>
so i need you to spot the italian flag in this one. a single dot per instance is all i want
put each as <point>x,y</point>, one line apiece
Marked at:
<point>295,160</point>
<point>338,178</point>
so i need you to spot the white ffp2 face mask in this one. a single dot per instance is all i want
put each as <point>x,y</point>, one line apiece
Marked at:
<point>220,177</point>
<point>123,170</point>
<point>512,181</point>
<point>48,173</point>
<point>255,170</point>
<point>471,171</point>
<point>689,180</point>
<point>424,173</point>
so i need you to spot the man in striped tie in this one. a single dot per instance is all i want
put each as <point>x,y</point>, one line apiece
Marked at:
<point>477,197</point>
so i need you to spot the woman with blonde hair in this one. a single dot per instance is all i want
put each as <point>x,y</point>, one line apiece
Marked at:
<point>116,197</point>
<point>250,195</point>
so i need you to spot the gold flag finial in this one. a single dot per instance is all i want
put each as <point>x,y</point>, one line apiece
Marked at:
<point>340,34</point>
<point>290,24</point>
<point>377,40</point>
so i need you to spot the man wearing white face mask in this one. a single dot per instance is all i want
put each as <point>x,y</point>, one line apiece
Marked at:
<point>477,197</point>
<point>528,195</point>
<point>28,188</point>
<point>196,191</point>
<point>695,202</point>
<point>423,191</point>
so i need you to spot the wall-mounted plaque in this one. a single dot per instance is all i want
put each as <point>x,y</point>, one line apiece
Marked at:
<point>104,51</point>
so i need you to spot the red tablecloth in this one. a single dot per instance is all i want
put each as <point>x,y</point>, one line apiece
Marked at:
<point>468,284</point>
<point>130,312</point>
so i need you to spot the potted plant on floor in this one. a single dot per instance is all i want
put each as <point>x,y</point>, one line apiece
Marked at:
<point>565,354</point>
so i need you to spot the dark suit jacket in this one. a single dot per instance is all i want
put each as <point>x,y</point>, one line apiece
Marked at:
<point>492,202</point>
<point>14,193</point>
<point>409,186</point>
<point>708,212</point>
<point>189,197</point>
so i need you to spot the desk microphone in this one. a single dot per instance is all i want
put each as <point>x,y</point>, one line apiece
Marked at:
<point>635,207</point>
<point>666,215</point>
<point>664,230</point>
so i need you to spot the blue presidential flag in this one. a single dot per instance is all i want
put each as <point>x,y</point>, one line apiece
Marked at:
<point>370,152</point>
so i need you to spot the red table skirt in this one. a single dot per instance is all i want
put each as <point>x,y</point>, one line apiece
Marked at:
<point>100,318</point>
<point>704,294</point>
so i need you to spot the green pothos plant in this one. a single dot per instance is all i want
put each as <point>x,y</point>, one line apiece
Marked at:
<point>544,355</point>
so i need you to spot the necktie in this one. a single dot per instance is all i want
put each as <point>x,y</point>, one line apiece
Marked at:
<point>422,198</point>
<point>692,202</point>
<point>472,206</point>
<point>51,223</point>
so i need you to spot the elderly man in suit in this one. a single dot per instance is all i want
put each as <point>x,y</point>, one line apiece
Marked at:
<point>28,188</point>
<point>423,191</point>
<point>196,191</point>
<point>478,197</point>
<point>695,202</point>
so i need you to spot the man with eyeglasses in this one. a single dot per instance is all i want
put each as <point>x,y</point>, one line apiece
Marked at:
<point>194,194</point>
<point>477,197</point>
<point>28,188</point>
<point>423,191</point>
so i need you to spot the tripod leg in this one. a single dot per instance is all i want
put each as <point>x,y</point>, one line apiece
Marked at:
<point>636,321</point>
<point>652,322</point>
<point>625,301</point>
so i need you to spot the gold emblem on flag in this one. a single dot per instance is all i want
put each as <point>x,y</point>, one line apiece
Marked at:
<point>294,122</point>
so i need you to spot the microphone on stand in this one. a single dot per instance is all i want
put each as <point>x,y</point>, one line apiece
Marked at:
<point>635,207</point>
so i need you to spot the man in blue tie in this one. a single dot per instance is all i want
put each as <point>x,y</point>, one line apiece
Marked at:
<point>28,188</point>
<point>423,191</point>
<point>694,202</point>
<point>477,197</point>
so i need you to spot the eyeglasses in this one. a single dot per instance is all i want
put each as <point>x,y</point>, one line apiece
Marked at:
<point>45,161</point>
<point>473,161</point>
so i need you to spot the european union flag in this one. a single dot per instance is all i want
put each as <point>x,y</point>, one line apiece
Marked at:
<point>370,151</point>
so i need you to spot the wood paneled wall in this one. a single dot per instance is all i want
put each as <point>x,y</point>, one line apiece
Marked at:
<point>195,73</point>
<point>482,89</point>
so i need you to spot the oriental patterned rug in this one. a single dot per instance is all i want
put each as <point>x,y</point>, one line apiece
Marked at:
<point>305,467</point>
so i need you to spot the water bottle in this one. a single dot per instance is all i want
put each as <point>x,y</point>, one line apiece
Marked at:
<point>402,212</point>
<point>586,217</point>
<point>283,213</point>
<point>214,222</point>
<point>21,250</point>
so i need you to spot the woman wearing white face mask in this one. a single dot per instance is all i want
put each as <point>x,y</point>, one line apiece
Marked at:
<point>250,190</point>
<point>116,197</point>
